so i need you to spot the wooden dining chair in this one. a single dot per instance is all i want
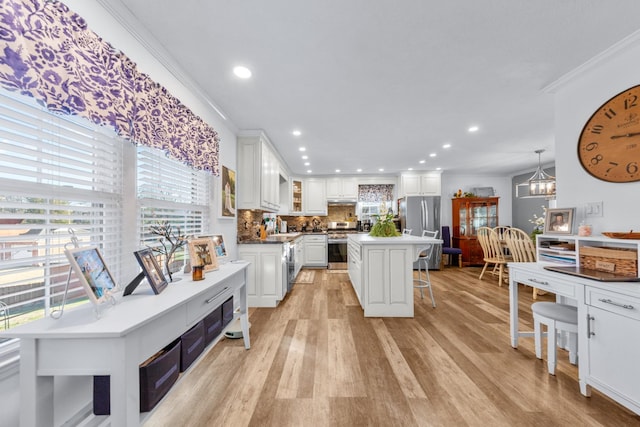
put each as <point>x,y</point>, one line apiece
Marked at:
<point>493,252</point>
<point>521,248</point>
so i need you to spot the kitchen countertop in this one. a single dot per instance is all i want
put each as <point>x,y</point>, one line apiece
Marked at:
<point>279,238</point>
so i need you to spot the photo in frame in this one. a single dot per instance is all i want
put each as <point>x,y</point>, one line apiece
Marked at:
<point>219,246</point>
<point>228,180</point>
<point>559,221</point>
<point>202,252</point>
<point>151,269</point>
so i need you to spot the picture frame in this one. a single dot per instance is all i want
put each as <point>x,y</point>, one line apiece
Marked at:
<point>151,269</point>
<point>219,246</point>
<point>202,252</point>
<point>93,274</point>
<point>228,193</point>
<point>559,221</point>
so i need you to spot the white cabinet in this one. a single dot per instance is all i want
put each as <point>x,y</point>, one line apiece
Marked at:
<point>612,347</point>
<point>342,189</point>
<point>258,173</point>
<point>315,250</point>
<point>354,261</point>
<point>314,196</point>
<point>266,274</point>
<point>426,184</point>
<point>298,255</point>
<point>296,196</point>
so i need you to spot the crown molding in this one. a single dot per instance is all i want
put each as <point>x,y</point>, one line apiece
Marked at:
<point>632,39</point>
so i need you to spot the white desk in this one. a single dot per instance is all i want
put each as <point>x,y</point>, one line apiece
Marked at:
<point>116,344</point>
<point>608,328</point>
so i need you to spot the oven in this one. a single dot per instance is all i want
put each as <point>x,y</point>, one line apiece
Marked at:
<point>337,233</point>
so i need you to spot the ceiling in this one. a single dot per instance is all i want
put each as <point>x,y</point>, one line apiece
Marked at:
<point>383,84</point>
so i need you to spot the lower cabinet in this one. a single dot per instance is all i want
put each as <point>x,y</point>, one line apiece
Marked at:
<point>613,350</point>
<point>354,260</point>
<point>266,274</point>
<point>315,250</point>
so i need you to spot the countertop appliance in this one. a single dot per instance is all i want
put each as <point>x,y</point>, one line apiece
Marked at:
<point>337,233</point>
<point>419,213</point>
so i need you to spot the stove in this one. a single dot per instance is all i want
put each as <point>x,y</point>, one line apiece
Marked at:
<point>337,233</point>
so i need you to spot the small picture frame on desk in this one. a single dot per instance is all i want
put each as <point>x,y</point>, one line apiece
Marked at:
<point>559,221</point>
<point>202,252</point>
<point>151,269</point>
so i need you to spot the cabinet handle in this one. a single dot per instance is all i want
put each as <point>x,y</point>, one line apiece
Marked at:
<point>539,282</point>
<point>210,300</point>
<point>589,319</point>
<point>617,304</point>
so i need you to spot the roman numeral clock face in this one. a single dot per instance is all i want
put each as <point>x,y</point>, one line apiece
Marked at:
<point>609,145</point>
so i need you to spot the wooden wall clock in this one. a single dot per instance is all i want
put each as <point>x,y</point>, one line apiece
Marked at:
<point>609,145</point>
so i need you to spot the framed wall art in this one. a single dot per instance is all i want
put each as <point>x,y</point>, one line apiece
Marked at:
<point>559,221</point>
<point>228,192</point>
<point>202,252</point>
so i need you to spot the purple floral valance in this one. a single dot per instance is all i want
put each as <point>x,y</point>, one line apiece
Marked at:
<point>48,53</point>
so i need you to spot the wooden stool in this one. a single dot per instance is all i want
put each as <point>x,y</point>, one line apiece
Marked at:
<point>557,317</point>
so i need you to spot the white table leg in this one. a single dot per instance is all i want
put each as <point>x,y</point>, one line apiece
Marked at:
<point>244,317</point>
<point>36,402</point>
<point>125,388</point>
<point>513,313</point>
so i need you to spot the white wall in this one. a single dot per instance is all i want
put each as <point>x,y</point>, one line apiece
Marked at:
<point>576,98</point>
<point>452,182</point>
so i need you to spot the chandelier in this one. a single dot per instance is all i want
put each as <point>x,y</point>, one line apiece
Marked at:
<point>541,183</point>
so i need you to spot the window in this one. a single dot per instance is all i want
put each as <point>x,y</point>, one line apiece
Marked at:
<point>62,173</point>
<point>57,173</point>
<point>171,191</point>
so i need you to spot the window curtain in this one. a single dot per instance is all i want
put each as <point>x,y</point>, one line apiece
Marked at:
<point>47,52</point>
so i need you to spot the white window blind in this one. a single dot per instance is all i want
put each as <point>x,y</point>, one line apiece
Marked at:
<point>173,192</point>
<point>56,173</point>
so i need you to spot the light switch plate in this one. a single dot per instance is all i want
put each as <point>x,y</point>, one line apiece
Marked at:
<point>593,209</point>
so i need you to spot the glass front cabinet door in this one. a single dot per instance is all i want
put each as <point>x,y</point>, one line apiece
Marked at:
<point>469,214</point>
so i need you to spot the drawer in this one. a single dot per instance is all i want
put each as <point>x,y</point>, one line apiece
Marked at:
<point>546,282</point>
<point>199,307</point>
<point>613,302</point>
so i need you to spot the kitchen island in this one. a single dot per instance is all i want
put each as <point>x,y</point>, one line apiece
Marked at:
<point>381,272</point>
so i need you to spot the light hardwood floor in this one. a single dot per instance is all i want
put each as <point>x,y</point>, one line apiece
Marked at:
<point>316,361</point>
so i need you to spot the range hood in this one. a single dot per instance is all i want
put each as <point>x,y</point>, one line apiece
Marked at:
<point>342,202</point>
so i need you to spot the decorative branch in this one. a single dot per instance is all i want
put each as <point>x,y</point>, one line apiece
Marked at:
<point>169,240</point>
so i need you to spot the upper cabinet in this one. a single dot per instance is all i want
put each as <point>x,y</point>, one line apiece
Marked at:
<point>258,173</point>
<point>423,184</point>
<point>296,196</point>
<point>314,196</point>
<point>342,189</point>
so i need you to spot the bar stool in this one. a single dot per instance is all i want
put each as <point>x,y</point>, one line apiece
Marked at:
<point>424,257</point>
<point>557,317</point>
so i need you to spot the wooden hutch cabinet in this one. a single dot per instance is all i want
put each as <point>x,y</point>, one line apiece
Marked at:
<point>470,213</point>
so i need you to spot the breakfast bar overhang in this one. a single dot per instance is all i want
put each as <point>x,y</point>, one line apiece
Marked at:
<point>381,272</point>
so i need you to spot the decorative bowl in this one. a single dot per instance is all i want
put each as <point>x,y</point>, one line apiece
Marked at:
<point>622,235</point>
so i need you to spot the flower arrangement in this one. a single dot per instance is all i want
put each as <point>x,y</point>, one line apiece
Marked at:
<point>170,242</point>
<point>384,226</point>
<point>538,221</point>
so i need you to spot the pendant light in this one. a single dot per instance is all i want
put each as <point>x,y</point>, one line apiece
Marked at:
<point>541,183</point>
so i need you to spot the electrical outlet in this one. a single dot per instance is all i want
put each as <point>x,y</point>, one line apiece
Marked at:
<point>593,209</point>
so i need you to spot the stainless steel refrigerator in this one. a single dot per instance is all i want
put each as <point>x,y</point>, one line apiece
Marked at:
<point>419,213</point>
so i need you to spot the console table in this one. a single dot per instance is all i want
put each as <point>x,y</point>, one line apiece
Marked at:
<point>608,327</point>
<point>126,335</point>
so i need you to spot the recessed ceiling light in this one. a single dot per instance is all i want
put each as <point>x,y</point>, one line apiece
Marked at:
<point>381,170</point>
<point>305,157</point>
<point>432,155</point>
<point>359,170</point>
<point>296,133</point>
<point>438,169</point>
<point>446,146</point>
<point>337,170</point>
<point>302,149</point>
<point>410,169</point>
<point>422,161</point>
<point>307,163</point>
<point>242,72</point>
<point>473,129</point>
<point>309,171</point>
